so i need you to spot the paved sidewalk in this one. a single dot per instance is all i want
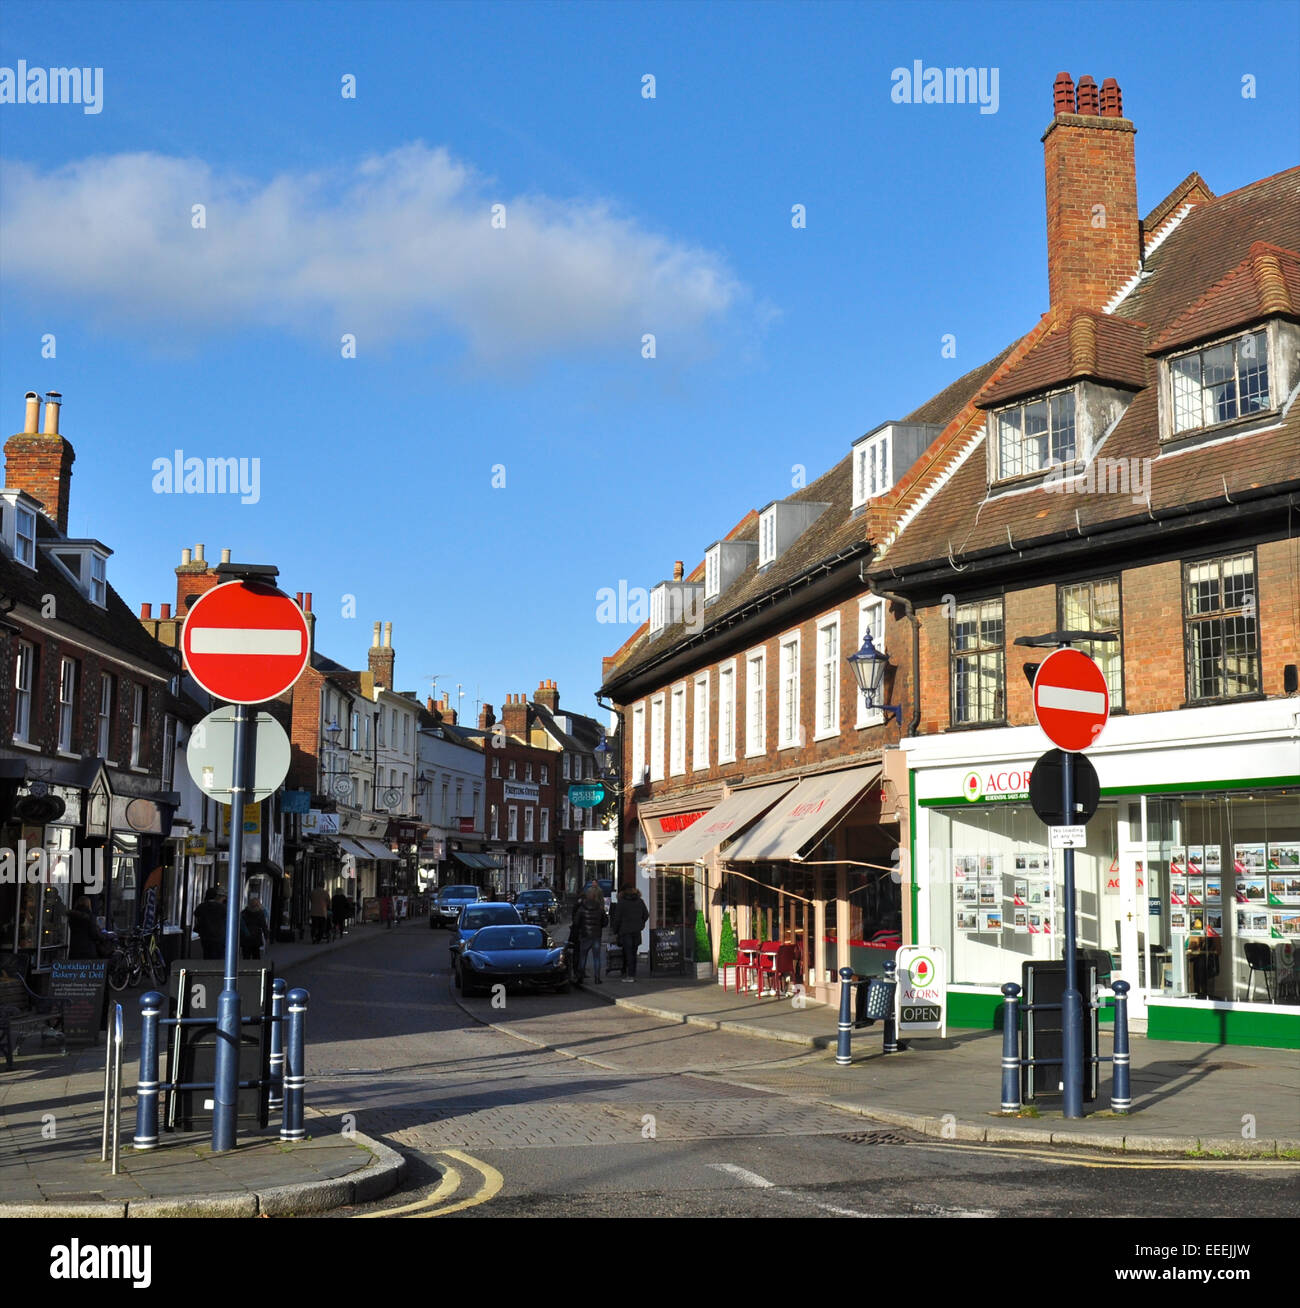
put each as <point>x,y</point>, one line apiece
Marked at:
<point>50,1136</point>
<point>1186,1097</point>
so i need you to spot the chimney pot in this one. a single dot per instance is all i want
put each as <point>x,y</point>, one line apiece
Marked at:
<point>164,612</point>
<point>52,401</point>
<point>374,639</point>
<point>225,556</point>
<point>198,554</point>
<point>1088,102</point>
<point>185,557</point>
<point>297,599</point>
<point>388,635</point>
<point>1063,94</point>
<point>146,612</point>
<point>32,417</point>
<point>1112,103</point>
<point>307,602</point>
<point>677,570</point>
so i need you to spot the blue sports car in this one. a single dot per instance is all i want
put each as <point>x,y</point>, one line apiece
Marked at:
<point>512,956</point>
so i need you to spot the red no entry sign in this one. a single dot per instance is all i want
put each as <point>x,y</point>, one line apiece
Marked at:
<point>1071,699</point>
<point>244,642</point>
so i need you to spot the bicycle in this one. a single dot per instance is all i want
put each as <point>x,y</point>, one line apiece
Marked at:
<point>138,957</point>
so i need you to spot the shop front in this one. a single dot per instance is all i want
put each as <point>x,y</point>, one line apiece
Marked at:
<point>1188,887</point>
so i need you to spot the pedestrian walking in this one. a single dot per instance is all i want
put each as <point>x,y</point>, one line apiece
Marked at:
<point>210,923</point>
<point>592,921</point>
<point>628,922</point>
<point>85,939</point>
<point>320,908</point>
<point>253,929</point>
<point>341,906</point>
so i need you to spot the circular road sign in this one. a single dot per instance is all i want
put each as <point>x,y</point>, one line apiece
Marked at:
<point>210,756</point>
<point>1071,699</point>
<point>1045,790</point>
<point>244,642</point>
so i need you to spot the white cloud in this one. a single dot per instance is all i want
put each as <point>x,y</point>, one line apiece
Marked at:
<point>398,246</point>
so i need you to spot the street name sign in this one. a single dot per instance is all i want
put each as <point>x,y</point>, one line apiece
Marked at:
<point>245,642</point>
<point>210,756</point>
<point>1071,699</point>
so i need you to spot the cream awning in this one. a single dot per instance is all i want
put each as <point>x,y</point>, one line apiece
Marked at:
<point>705,834</point>
<point>802,816</point>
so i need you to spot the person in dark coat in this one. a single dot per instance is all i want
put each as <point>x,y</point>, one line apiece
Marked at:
<point>210,923</point>
<point>628,921</point>
<point>341,906</point>
<point>253,929</point>
<point>592,920</point>
<point>85,939</point>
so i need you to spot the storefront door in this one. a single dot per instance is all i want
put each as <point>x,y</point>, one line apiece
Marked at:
<point>1131,935</point>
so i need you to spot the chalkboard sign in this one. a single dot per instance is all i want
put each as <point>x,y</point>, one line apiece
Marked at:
<point>80,983</point>
<point>666,953</point>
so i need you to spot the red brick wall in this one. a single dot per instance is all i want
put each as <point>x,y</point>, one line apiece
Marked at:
<point>42,466</point>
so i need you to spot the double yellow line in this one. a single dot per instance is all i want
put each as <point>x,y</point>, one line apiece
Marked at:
<point>1053,1154</point>
<point>435,1204</point>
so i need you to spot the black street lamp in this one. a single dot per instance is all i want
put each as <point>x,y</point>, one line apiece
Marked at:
<point>869,666</point>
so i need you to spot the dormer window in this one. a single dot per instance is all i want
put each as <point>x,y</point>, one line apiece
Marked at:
<point>1221,382</point>
<point>870,470</point>
<point>712,572</point>
<point>767,537</point>
<point>24,535</point>
<point>1033,436</point>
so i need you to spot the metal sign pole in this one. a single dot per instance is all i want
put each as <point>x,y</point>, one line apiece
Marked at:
<point>1072,1021</point>
<point>226,1091</point>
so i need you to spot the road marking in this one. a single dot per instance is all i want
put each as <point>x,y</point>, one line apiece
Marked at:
<point>492,1183</point>
<point>762,1183</point>
<point>1048,1153</point>
<point>749,1178</point>
<point>444,1189</point>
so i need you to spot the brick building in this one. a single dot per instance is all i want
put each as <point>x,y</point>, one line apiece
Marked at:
<point>87,722</point>
<point>1130,464</point>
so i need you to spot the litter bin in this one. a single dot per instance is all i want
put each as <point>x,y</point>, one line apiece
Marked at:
<point>874,999</point>
<point>171,942</point>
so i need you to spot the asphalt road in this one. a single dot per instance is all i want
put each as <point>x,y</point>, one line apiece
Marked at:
<point>647,1123</point>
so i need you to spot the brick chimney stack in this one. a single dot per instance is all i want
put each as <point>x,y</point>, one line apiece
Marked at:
<point>382,657</point>
<point>487,718</point>
<point>677,570</point>
<point>1094,239</point>
<point>548,696</point>
<point>195,577</point>
<point>40,463</point>
<point>515,716</point>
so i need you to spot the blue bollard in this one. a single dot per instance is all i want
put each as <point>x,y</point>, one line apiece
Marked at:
<point>1011,1049</point>
<point>1120,1102</point>
<point>295,1071</point>
<point>278,987</point>
<point>146,1092</point>
<point>891,1046</point>
<point>844,1044</point>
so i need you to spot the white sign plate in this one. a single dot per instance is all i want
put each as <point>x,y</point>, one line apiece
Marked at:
<point>1069,837</point>
<point>210,756</point>
<point>921,1001</point>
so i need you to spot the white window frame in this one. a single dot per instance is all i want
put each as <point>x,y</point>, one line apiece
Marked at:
<point>528,825</point>
<point>712,572</point>
<point>789,684</point>
<point>871,471</point>
<point>767,537</point>
<point>658,609</point>
<point>67,703</point>
<point>25,540</point>
<point>871,618</point>
<point>546,825</point>
<point>496,767</point>
<point>1236,340</point>
<point>756,722</point>
<point>546,774</point>
<point>638,742</point>
<point>829,669</point>
<point>494,822</point>
<point>512,823</point>
<point>512,770</point>
<point>727,712</point>
<point>700,724</point>
<point>98,585</point>
<point>24,677</point>
<point>1000,471</point>
<point>137,722</point>
<point>657,734</point>
<point>677,730</point>
<point>564,767</point>
<point>104,729</point>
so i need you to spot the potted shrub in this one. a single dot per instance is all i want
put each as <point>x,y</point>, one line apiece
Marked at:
<point>703,951</point>
<point>727,953</point>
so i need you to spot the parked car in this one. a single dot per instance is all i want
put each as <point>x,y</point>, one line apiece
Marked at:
<point>445,909</point>
<point>473,917</point>
<point>538,906</point>
<point>512,956</point>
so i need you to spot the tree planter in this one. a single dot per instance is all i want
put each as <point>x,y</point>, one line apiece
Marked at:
<point>727,977</point>
<point>703,971</point>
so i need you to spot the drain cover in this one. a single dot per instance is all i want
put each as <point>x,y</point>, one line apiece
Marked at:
<point>880,1138</point>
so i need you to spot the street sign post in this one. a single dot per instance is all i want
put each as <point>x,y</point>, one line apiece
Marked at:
<point>1072,704</point>
<point>244,642</point>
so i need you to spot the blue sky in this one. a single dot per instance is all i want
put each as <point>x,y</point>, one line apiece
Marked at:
<point>515,354</point>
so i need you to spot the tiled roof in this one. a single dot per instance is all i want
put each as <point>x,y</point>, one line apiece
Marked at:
<point>1191,190</point>
<point>115,623</point>
<point>1081,344</point>
<point>1265,282</point>
<point>1196,272</point>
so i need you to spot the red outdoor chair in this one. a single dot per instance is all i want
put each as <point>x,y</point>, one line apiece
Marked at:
<point>746,962</point>
<point>767,965</point>
<point>789,964</point>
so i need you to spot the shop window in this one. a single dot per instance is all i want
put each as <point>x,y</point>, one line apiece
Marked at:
<point>1094,606</point>
<point>1222,635</point>
<point>978,663</point>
